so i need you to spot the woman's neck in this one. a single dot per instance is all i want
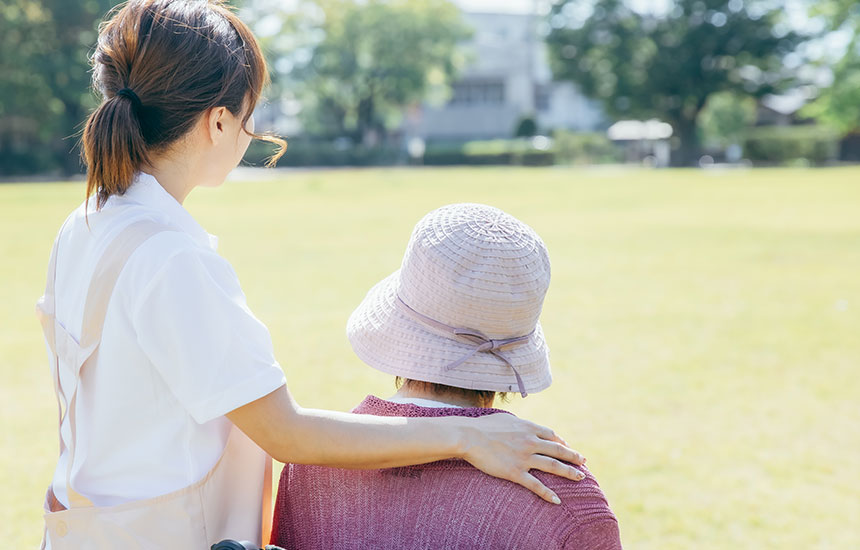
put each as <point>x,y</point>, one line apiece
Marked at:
<point>175,176</point>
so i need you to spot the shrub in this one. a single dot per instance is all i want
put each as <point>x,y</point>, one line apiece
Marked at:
<point>791,144</point>
<point>489,152</point>
<point>303,152</point>
<point>585,148</point>
<point>526,127</point>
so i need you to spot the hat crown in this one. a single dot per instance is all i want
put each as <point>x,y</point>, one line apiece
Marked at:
<point>475,266</point>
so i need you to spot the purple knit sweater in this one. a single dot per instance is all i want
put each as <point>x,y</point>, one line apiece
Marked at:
<point>445,504</point>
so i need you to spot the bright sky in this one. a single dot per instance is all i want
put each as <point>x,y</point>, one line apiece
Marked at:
<point>796,9</point>
<point>499,6</point>
<point>542,6</point>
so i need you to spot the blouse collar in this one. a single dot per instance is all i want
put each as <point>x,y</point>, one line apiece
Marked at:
<point>146,190</point>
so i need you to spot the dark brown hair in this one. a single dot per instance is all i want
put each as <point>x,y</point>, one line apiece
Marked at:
<point>159,65</point>
<point>484,398</point>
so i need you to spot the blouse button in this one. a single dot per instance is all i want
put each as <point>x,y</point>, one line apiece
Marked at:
<point>62,529</point>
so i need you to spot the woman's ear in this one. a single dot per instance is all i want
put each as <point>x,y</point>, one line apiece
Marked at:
<point>215,123</point>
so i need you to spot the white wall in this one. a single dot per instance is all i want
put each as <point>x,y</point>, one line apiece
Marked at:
<point>505,48</point>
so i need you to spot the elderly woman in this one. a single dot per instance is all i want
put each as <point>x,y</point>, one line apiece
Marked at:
<point>457,325</point>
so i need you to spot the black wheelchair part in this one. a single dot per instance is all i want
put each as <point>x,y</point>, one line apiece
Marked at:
<point>230,544</point>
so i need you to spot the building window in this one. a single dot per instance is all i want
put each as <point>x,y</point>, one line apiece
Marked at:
<point>478,92</point>
<point>542,97</point>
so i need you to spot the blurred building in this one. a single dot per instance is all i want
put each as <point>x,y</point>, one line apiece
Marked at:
<point>508,78</point>
<point>783,109</point>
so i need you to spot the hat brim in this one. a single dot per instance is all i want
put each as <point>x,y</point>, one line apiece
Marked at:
<point>390,341</point>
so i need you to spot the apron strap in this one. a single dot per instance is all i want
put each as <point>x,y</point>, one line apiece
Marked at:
<point>46,313</point>
<point>107,272</point>
<point>102,283</point>
<point>266,530</point>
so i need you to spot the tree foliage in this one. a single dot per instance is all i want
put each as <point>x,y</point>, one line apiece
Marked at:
<point>44,89</point>
<point>667,65</point>
<point>355,65</point>
<point>725,118</point>
<point>839,105</point>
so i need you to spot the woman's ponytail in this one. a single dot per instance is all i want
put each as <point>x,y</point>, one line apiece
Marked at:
<point>114,148</point>
<point>158,66</point>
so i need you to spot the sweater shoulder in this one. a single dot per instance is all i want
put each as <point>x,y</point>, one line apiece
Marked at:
<point>591,517</point>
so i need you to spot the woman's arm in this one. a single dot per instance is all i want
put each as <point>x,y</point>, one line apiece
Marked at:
<point>500,444</point>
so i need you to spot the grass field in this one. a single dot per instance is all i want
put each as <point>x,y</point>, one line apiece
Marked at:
<point>704,327</point>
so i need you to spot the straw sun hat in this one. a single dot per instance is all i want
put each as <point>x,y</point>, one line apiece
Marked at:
<point>463,308</point>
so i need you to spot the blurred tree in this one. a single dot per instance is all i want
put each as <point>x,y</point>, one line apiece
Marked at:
<point>354,65</point>
<point>526,127</point>
<point>666,65</point>
<point>44,90</point>
<point>725,118</point>
<point>839,105</point>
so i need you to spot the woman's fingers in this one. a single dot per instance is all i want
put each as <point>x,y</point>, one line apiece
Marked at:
<point>507,447</point>
<point>558,451</point>
<point>561,451</point>
<point>534,485</point>
<point>553,466</point>
<point>546,433</point>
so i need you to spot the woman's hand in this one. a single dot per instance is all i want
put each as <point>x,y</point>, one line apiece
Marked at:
<point>507,447</point>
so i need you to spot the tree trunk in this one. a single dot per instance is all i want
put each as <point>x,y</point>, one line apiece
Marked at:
<point>365,120</point>
<point>849,147</point>
<point>689,149</point>
<point>68,146</point>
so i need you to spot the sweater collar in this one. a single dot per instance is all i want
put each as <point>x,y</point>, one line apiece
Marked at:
<point>381,407</point>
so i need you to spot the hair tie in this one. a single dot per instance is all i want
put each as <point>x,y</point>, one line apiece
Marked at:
<point>129,93</point>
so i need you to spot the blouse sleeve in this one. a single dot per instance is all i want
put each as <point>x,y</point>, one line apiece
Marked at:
<point>193,323</point>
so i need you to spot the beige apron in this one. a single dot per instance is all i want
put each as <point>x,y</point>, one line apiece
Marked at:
<point>233,500</point>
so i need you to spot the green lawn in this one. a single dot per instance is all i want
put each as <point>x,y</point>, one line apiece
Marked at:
<point>705,329</point>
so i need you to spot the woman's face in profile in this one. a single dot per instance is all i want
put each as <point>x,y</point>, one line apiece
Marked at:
<point>245,136</point>
<point>239,137</point>
<point>226,153</point>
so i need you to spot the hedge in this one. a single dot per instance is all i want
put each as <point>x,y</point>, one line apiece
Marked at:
<point>790,144</point>
<point>302,152</point>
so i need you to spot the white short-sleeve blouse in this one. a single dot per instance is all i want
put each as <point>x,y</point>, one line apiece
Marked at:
<point>179,350</point>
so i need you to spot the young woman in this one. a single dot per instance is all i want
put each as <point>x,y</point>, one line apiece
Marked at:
<point>171,392</point>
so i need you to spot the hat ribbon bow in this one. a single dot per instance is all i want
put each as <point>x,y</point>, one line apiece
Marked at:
<point>472,336</point>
